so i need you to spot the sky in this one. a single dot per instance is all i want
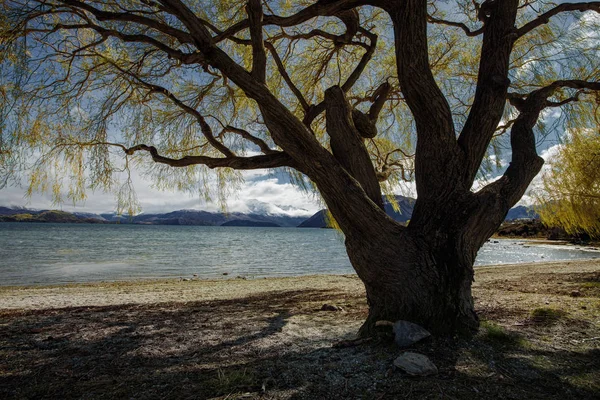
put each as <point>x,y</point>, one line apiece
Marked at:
<point>261,189</point>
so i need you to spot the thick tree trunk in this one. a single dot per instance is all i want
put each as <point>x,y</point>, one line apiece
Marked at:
<point>423,280</point>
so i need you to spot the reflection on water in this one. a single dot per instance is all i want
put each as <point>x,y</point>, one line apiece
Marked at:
<point>511,251</point>
<point>59,253</point>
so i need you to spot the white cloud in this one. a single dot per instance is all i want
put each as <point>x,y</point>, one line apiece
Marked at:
<point>537,184</point>
<point>259,187</point>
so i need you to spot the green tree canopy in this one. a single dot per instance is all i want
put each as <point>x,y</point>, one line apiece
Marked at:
<point>571,187</point>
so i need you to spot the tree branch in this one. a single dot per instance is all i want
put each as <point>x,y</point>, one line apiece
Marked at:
<point>460,25</point>
<point>347,145</point>
<point>545,17</point>
<point>492,85</point>
<point>185,58</point>
<point>520,100</point>
<point>286,77</point>
<point>101,15</point>
<point>315,110</point>
<point>525,162</point>
<point>259,57</point>
<point>204,126</point>
<point>437,150</point>
<point>274,160</point>
<point>248,136</point>
<point>321,8</point>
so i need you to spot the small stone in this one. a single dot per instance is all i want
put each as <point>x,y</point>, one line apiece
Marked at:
<point>415,364</point>
<point>407,333</point>
<point>331,307</point>
<point>575,293</point>
<point>225,273</point>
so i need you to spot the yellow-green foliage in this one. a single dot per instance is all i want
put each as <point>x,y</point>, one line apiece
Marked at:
<point>71,100</point>
<point>23,217</point>
<point>571,196</point>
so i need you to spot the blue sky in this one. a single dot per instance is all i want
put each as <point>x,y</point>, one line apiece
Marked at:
<point>259,187</point>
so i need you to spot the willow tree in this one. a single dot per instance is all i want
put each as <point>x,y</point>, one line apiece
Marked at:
<point>350,96</point>
<point>570,197</point>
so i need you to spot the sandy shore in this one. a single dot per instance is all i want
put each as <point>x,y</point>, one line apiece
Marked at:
<point>161,291</point>
<point>268,339</point>
<point>176,290</point>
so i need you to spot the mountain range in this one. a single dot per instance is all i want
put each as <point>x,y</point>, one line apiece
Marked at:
<point>261,215</point>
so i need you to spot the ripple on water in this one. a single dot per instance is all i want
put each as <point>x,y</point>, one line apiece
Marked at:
<point>59,253</point>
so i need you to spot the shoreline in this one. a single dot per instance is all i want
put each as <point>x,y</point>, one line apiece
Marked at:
<point>154,291</point>
<point>229,277</point>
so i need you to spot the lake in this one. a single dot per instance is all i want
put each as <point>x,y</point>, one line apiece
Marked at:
<point>33,253</point>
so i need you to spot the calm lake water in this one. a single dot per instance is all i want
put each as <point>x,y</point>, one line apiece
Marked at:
<point>59,253</point>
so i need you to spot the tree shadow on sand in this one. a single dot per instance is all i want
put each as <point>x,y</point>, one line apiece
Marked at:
<point>276,345</point>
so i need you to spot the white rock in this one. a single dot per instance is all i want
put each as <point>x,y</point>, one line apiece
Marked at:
<point>415,364</point>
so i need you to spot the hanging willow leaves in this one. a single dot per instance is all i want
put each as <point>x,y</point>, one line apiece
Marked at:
<point>571,188</point>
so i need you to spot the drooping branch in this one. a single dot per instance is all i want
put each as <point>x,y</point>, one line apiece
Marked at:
<point>204,126</point>
<point>274,160</point>
<point>321,8</point>
<point>301,149</point>
<point>264,147</point>
<point>460,25</point>
<point>545,17</point>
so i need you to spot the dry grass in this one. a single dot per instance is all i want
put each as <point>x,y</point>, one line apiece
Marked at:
<point>267,339</point>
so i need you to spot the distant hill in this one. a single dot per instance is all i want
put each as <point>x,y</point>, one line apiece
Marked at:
<point>521,212</point>
<point>24,215</point>
<point>407,205</point>
<point>318,220</point>
<point>18,210</point>
<point>260,216</point>
<point>181,217</point>
<point>206,218</point>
